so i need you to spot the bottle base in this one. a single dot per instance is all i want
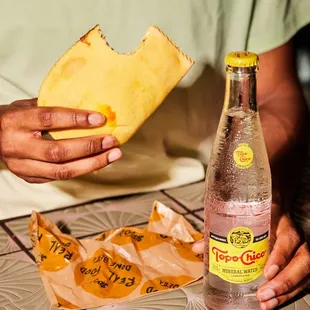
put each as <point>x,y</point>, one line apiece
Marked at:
<point>216,299</point>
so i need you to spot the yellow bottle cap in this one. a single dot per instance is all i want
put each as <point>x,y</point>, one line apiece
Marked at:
<point>241,59</point>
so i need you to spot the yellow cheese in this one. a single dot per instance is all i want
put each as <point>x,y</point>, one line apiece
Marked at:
<point>126,88</point>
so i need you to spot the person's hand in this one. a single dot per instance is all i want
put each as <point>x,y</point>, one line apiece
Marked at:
<point>288,267</point>
<point>37,160</point>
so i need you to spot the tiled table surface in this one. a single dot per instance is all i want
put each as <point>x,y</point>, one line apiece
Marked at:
<point>20,283</point>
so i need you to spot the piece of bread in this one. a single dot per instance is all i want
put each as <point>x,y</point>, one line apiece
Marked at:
<point>126,88</point>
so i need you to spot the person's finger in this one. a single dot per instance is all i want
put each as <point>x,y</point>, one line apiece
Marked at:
<point>198,247</point>
<point>63,150</point>
<point>69,170</point>
<point>291,276</point>
<point>35,180</point>
<point>284,248</point>
<point>51,118</point>
<point>26,103</point>
<point>280,300</point>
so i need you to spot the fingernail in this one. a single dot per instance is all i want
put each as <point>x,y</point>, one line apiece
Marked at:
<point>95,119</point>
<point>263,307</point>
<point>271,304</point>
<point>108,142</point>
<point>271,272</point>
<point>266,294</point>
<point>197,247</point>
<point>114,155</point>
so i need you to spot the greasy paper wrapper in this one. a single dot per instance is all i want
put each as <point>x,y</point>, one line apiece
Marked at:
<point>118,265</point>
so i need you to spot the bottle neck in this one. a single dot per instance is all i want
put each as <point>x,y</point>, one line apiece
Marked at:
<point>241,89</point>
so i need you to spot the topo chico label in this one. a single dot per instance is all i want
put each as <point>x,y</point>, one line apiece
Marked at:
<point>243,156</point>
<point>238,257</point>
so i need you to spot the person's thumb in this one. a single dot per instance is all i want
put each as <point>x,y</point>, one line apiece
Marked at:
<point>198,247</point>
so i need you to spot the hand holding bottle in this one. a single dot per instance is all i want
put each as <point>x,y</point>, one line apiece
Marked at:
<point>288,266</point>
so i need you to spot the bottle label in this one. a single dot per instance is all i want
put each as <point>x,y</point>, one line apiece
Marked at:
<point>239,257</point>
<point>243,156</point>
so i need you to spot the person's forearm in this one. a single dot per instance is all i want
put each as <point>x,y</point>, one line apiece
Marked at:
<point>285,127</point>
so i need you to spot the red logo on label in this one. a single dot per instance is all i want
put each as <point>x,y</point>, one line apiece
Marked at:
<point>243,156</point>
<point>247,258</point>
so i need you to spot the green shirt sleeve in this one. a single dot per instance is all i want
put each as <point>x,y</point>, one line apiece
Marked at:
<point>274,22</point>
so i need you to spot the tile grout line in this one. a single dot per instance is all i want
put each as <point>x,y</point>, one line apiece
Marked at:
<point>8,220</point>
<point>198,217</point>
<point>11,234</point>
<point>88,202</point>
<point>191,212</point>
<point>12,219</point>
<point>9,253</point>
<point>178,202</point>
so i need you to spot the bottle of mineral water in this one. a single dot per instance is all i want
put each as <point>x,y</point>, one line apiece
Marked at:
<point>238,195</point>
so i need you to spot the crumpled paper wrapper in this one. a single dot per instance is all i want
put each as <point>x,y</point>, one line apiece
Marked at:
<point>118,265</point>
